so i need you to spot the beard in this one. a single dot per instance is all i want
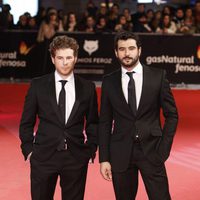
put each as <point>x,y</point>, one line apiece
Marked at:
<point>129,62</point>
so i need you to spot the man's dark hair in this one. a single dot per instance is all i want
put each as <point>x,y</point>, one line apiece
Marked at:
<point>63,42</point>
<point>125,35</point>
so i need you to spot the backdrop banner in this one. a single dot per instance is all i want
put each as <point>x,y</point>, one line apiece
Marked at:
<point>22,57</point>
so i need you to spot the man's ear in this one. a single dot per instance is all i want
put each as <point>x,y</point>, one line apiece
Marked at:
<point>116,54</point>
<point>76,58</point>
<point>140,50</point>
<point>52,59</point>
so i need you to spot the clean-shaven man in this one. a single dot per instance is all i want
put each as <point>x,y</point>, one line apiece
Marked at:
<point>66,136</point>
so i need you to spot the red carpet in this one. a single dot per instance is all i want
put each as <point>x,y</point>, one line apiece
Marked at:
<point>183,165</point>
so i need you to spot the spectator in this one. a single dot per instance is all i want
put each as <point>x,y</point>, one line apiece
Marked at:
<point>126,12</point>
<point>113,16</point>
<point>102,12</point>
<point>142,25</point>
<point>179,18</point>
<point>197,16</point>
<point>49,27</point>
<point>27,14</point>
<point>158,15</point>
<point>91,9</point>
<point>102,25</point>
<point>90,25</point>
<point>187,27</point>
<point>154,24</point>
<point>122,24</point>
<point>41,15</point>
<point>189,15</point>
<point>22,24</point>
<point>71,24</point>
<point>150,15</point>
<point>140,11</point>
<point>62,17</point>
<point>32,25</point>
<point>6,18</point>
<point>167,26</point>
<point>167,10</point>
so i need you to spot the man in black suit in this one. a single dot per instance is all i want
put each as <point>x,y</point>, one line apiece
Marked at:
<point>66,137</point>
<point>131,137</point>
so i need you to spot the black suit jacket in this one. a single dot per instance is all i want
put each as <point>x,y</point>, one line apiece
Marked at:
<point>41,102</point>
<point>117,123</point>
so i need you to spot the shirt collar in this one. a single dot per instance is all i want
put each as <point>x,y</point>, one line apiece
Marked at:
<point>137,69</point>
<point>70,78</point>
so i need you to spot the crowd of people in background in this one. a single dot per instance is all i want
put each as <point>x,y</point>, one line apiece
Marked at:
<point>100,19</point>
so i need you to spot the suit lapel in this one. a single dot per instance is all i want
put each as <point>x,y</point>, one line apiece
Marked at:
<point>78,94</point>
<point>52,97</point>
<point>144,89</point>
<point>120,94</point>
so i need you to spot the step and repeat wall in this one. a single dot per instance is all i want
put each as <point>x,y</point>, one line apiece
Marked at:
<point>22,57</point>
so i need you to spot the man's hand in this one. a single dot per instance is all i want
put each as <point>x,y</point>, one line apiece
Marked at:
<point>91,161</point>
<point>29,156</point>
<point>105,169</point>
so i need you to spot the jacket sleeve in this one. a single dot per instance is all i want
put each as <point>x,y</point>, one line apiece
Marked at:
<point>28,120</point>
<point>171,118</point>
<point>92,120</point>
<point>105,124</point>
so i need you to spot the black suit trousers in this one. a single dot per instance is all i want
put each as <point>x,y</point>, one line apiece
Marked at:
<point>44,176</point>
<point>154,178</point>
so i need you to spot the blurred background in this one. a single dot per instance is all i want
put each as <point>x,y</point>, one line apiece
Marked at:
<point>169,31</point>
<point>170,35</point>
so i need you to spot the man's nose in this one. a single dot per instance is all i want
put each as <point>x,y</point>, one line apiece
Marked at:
<point>127,52</point>
<point>65,61</point>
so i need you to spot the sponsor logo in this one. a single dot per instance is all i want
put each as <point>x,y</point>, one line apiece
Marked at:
<point>198,52</point>
<point>186,68</point>
<point>11,59</point>
<point>90,46</point>
<point>182,64</point>
<point>169,59</point>
<point>24,49</point>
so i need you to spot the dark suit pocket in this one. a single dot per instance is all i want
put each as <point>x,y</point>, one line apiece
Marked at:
<point>34,154</point>
<point>156,132</point>
<point>158,159</point>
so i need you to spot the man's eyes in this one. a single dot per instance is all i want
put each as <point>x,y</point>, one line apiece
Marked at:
<point>129,48</point>
<point>61,58</point>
